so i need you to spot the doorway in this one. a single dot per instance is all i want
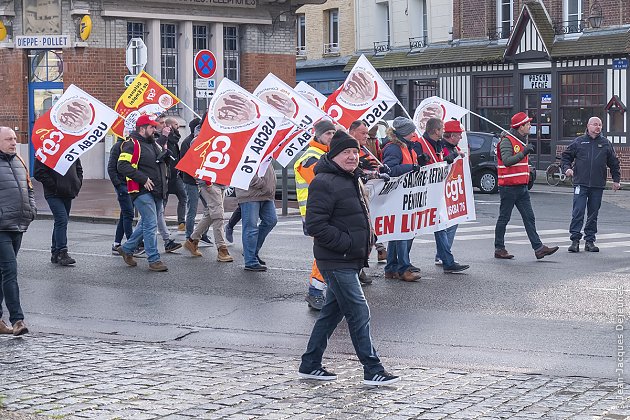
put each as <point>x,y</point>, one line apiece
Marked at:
<point>538,106</point>
<point>45,87</point>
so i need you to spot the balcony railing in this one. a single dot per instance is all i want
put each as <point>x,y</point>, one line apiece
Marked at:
<point>569,27</point>
<point>300,51</point>
<point>331,48</point>
<point>417,43</point>
<point>495,33</point>
<point>381,47</point>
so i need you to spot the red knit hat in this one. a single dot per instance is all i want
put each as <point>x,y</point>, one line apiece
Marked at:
<point>519,119</point>
<point>453,126</point>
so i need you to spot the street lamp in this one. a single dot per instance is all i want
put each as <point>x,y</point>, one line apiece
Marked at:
<point>595,17</point>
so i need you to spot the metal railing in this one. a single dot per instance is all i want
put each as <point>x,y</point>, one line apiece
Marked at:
<point>418,42</point>
<point>381,47</point>
<point>331,48</point>
<point>495,33</point>
<point>569,27</point>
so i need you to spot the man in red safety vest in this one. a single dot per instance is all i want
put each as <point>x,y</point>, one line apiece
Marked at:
<point>513,171</point>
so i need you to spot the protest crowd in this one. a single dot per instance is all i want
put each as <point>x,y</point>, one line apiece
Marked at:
<point>383,183</point>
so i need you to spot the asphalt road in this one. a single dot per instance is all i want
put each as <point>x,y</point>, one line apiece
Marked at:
<point>556,316</point>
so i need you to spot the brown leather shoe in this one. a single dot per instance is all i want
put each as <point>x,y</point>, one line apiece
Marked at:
<point>224,255</point>
<point>409,276</point>
<point>128,258</point>
<point>19,328</point>
<point>502,254</point>
<point>158,266</point>
<point>544,251</point>
<point>192,245</point>
<point>4,328</point>
<point>382,255</point>
<point>393,275</point>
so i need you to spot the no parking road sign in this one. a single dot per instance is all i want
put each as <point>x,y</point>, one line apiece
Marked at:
<point>205,64</point>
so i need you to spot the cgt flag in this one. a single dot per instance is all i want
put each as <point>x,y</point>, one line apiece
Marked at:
<point>75,124</point>
<point>300,114</point>
<point>363,96</point>
<point>144,95</point>
<point>233,139</point>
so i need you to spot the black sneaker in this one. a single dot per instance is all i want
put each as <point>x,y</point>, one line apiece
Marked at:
<point>315,301</point>
<point>363,278</point>
<point>171,246</point>
<point>591,247</point>
<point>204,238</point>
<point>382,378</point>
<point>320,374</point>
<point>260,261</point>
<point>456,268</point>
<point>256,267</point>
<point>115,249</point>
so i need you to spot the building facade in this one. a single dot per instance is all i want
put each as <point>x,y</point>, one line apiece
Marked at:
<point>325,41</point>
<point>43,51</point>
<point>561,61</point>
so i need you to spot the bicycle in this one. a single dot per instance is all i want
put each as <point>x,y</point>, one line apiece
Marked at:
<point>554,173</point>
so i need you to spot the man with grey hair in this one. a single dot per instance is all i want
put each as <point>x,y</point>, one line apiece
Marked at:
<point>586,160</point>
<point>17,206</point>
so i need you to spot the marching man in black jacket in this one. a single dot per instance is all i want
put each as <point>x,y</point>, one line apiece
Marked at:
<point>586,160</point>
<point>59,191</point>
<point>17,206</point>
<point>337,217</point>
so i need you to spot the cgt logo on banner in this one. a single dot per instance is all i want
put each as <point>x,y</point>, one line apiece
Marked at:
<point>233,139</point>
<point>301,114</point>
<point>363,96</point>
<point>422,202</point>
<point>145,95</point>
<point>75,124</point>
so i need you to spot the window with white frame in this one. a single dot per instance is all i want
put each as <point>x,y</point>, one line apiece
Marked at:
<point>301,34</point>
<point>168,44</point>
<point>418,23</point>
<point>505,18</point>
<point>383,24</point>
<point>332,47</point>
<point>572,12</point>
<point>231,51</point>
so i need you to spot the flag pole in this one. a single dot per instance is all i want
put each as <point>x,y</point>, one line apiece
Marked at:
<point>190,109</point>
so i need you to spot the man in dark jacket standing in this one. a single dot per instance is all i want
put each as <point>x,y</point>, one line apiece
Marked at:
<point>586,160</point>
<point>175,184</point>
<point>17,206</point>
<point>147,184</point>
<point>337,217</point>
<point>59,191</point>
<point>125,221</point>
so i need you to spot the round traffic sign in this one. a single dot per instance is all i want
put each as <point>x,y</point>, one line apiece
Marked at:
<point>205,64</point>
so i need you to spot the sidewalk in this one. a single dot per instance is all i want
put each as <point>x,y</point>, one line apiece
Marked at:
<point>73,377</point>
<point>97,202</point>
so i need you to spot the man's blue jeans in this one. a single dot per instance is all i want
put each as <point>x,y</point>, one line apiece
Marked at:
<point>125,221</point>
<point>192,192</point>
<point>146,227</point>
<point>254,234</point>
<point>9,291</point>
<point>443,242</point>
<point>590,200</point>
<point>398,256</point>
<point>518,196</point>
<point>344,298</point>
<point>60,208</point>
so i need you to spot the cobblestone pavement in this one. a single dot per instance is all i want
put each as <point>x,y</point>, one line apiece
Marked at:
<point>68,377</point>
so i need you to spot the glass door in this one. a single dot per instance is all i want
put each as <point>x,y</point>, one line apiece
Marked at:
<point>538,107</point>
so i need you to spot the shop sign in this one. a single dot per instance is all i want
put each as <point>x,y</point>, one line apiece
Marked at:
<point>42,42</point>
<point>620,63</point>
<point>537,81</point>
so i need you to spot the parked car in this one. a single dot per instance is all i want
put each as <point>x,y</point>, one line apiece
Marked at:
<point>483,162</point>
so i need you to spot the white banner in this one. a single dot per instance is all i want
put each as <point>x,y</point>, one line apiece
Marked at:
<point>422,202</point>
<point>313,95</point>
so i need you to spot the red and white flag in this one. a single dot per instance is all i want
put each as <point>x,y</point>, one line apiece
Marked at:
<point>436,107</point>
<point>74,124</point>
<point>233,139</point>
<point>301,114</point>
<point>313,95</point>
<point>363,96</point>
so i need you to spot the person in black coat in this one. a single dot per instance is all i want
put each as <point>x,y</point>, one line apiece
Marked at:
<point>125,221</point>
<point>175,184</point>
<point>59,191</point>
<point>338,219</point>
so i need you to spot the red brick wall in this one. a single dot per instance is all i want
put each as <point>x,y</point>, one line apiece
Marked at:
<point>98,71</point>
<point>255,67</point>
<point>14,82</point>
